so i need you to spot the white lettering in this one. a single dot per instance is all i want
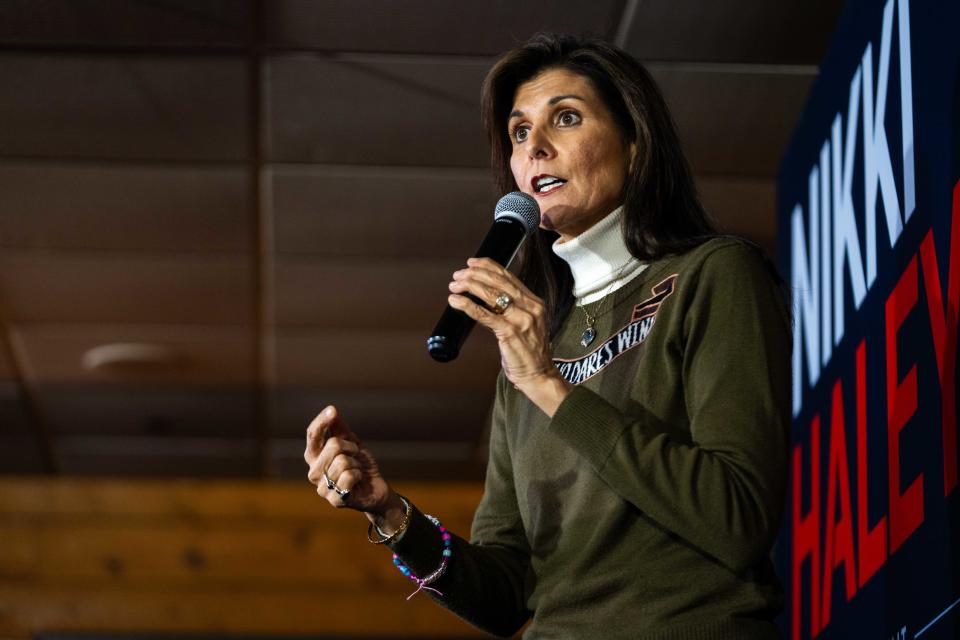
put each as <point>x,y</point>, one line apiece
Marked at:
<point>876,150</point>
<point>804,280</point>
<point>644,329</point>
<point>821,259</point>
<point>623,340</point>
<point>577,371</point>
<point>826,345</point>
<point>906,109</point>
<point>846,242</point>
<point>608,348</point>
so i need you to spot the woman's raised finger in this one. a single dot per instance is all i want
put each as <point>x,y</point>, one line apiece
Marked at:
<point>327,424</point>
<point>492,279</point>
<point>335,482</point>
<point>349,479</point>
<point>316,434</point>
<point>315,474</point>
<point>339,495</point>
<point>334,447</point>
<point>479,290</point>
<point>339,465</point>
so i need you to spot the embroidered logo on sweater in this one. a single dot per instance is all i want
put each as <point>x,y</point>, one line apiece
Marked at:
<point>577,370</point>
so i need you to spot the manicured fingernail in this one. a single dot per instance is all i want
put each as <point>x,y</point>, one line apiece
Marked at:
<point>328,412</point>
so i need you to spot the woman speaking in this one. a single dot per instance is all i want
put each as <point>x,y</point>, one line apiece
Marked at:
<point>639,441</point>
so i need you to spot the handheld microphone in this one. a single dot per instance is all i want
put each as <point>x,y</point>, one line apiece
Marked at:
<point>515,217</point>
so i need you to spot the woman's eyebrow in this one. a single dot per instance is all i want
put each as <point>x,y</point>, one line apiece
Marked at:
<point>516,113</point>
<point>555,99</point>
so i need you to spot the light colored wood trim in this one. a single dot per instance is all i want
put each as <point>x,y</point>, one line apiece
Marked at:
<point>25,610</point>
<point>208,557</point>
<point>199,500</point>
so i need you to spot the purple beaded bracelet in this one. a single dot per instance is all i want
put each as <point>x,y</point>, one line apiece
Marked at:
<point>423,582</point>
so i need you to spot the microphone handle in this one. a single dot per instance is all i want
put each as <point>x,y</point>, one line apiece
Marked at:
<point>502,241</point>
<point>500,245</point>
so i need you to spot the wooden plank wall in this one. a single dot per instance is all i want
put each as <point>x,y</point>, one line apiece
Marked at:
<point>208,557</point>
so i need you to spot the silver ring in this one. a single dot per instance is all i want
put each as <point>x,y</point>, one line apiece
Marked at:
<point>502,303</point>
<point>333,485</point>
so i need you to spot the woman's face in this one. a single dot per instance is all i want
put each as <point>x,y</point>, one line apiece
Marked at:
<point>567,151</point>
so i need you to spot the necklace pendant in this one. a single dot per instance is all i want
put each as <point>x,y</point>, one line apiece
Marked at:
<point>587,337</point>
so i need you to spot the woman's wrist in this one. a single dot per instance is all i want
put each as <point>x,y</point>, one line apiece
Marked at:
<point>547,391</point>
<point>391,517</point>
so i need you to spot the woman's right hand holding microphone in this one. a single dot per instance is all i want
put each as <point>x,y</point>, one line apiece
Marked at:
<point>336,454</point>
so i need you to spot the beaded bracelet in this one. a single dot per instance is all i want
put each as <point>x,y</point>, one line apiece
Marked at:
<point>433,577</point>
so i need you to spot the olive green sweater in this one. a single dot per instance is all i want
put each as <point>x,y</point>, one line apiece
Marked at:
<point>648,505</point>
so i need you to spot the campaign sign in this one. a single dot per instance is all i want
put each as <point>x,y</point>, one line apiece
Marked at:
<point>869,243</point>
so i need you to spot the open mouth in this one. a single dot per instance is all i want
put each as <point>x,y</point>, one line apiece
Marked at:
<point>546,183</point>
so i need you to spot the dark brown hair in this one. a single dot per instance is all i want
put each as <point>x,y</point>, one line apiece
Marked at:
<point>662,213</point>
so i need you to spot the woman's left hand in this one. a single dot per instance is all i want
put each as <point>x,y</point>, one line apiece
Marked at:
<point>521,330</point>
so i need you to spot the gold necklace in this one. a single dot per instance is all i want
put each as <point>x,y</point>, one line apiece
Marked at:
<point>589,334</point>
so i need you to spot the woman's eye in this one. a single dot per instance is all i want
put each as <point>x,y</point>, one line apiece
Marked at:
<point>568,118</point>
<point>520,134</point>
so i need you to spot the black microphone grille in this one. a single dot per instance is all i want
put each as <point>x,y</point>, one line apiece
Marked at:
<point>521,207</point>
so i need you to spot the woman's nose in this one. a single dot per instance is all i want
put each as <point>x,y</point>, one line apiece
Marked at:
<point>540,145</point>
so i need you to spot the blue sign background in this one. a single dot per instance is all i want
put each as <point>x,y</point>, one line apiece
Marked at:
<point>921,579</point>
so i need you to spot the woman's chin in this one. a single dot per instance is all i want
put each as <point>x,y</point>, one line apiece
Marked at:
<point>561,218</point>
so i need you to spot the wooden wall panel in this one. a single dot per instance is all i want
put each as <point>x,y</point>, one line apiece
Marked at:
<point>207,557</point>
<point>260,611</point>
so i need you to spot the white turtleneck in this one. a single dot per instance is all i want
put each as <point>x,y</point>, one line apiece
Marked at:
<point>599,259</point>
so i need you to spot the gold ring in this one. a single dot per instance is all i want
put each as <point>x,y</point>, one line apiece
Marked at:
<point>502,302</point>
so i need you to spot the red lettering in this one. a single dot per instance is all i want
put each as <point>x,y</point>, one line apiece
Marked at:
<point>838,536</point>
<point>943,326</point>
<point>906,509</point>
<point>869,549</point>
<point>872,543</point>
<point>806,532</point>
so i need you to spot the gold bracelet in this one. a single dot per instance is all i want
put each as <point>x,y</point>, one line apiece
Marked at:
<point>400,529</point>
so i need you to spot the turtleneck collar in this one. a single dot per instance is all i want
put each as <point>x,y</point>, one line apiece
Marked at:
<point>599,259</point>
